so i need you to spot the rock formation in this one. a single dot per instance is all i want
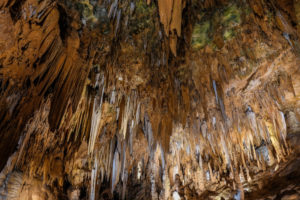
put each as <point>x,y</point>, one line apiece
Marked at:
<point>141,99</point>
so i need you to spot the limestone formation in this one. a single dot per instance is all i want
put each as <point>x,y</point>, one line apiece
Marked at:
<point>141,99</point>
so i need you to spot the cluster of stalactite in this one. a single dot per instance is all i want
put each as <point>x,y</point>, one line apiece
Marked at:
<point>146,99</point>
<point>227,146</point>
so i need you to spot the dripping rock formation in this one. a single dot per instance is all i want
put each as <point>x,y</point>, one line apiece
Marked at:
<point>149,99</point>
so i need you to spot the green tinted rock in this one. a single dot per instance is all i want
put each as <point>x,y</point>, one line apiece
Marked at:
<point>200,36</point>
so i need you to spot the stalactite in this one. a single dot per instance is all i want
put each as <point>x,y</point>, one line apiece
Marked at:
<point>94,176</point>
<point>115,171</point>
<point>125,117</point>
<point>166,185</point>
<point>177,97</point>
<point>97,110</point>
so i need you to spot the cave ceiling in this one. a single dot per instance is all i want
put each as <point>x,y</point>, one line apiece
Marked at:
<point>149,99</point>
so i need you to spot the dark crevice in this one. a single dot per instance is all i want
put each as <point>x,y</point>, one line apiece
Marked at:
<point>16,10</point>
<point>63,23</point>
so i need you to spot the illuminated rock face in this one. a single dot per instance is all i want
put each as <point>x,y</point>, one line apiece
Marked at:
<point>165,99</point>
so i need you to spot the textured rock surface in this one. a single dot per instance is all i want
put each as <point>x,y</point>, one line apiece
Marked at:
<point>168,99</point>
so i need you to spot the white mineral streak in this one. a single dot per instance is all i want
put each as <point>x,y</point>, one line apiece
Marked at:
<point>97,110</point>
<point>94,178</point>
<point>115,171</point>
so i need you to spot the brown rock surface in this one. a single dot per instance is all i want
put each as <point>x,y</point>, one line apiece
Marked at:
<point>94,106</point>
